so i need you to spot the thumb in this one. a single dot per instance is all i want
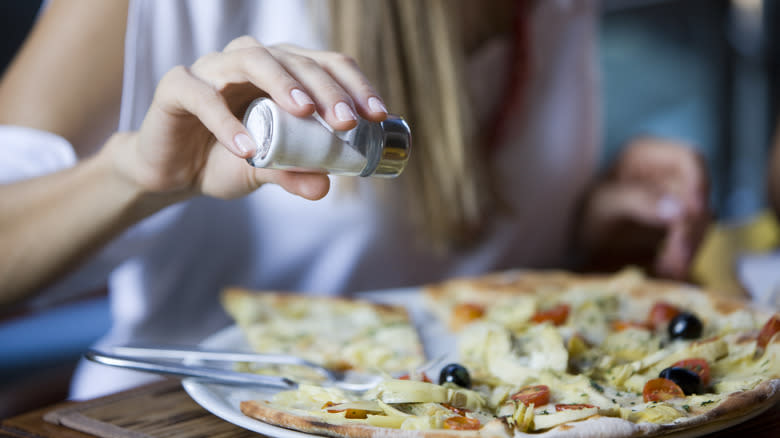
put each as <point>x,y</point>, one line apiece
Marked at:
<point>308,185</point>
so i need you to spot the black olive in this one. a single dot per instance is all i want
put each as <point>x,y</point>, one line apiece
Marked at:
<point>685,326</point>
<point>455,373</point>
<point>686,379</point>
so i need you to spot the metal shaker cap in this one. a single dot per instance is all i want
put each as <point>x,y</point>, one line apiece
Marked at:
<point>396,146</point>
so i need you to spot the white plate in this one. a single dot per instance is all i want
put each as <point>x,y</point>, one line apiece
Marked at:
<point>225,401</point>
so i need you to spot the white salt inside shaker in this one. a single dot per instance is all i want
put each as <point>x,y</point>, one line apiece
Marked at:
<point>310,144</point>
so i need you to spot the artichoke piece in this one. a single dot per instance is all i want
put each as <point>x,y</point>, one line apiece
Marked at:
<point>636,382</point>
<point>391,411</point>
<point>421,423</point>
<point>577,346</point>
<point>659,413</point>
<point>710,350</point>
<point>506,410</point>
<point>466,399</point>
<point>540,348</point>
<point>561,417</point>
<point>523,416</point>
<point>309,397</point>
<point>411,391</point>
<point>481,343</point>
<point>590,320</point>
<point>618,374</point>
<point>742,383</point>
<point>391,422</point>
<point>512,312</point>
<point>770,360</point>
<point>499,395</point>
<point>630,344</point>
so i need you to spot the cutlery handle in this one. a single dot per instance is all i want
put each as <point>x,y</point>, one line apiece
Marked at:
<point>203,374</point>
<point>169,352</point>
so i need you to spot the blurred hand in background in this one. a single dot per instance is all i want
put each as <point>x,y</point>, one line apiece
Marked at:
<point>650,209</point>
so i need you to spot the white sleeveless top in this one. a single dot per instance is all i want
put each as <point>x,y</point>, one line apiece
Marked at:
<point>172,266</point>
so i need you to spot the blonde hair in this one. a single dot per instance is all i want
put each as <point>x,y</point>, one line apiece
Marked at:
<point>413,51</point>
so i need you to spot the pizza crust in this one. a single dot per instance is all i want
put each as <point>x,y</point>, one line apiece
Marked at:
<point>260,410</point>
<point>735,406</point>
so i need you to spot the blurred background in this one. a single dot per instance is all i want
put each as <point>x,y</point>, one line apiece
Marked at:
<point>703,71</point>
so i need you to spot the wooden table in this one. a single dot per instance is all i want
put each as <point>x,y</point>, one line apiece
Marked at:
<point>164,410</point>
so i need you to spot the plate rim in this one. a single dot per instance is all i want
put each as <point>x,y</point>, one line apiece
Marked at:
<point>209,398</point>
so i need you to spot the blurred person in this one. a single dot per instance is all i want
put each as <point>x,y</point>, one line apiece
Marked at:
<point>503,106</point>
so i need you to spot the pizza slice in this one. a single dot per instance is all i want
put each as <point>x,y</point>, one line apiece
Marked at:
<point>338,333</point>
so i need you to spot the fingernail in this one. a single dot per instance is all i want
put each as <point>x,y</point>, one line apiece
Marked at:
<point>301,98</point>
<point>244,143</point>
<point>668,208</point>
<point>344,112</point>
<point>376,105</point>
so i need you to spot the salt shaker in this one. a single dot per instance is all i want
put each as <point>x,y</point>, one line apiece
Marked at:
<point>378,149</point>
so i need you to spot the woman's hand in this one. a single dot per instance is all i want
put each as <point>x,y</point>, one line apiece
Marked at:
<point>192,141</point>
<point>651,210</point>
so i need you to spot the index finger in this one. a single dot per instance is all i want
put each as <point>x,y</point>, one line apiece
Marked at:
<point>346,72</point>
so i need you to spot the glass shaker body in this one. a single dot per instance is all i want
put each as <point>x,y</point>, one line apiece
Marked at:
<point>310,144</point>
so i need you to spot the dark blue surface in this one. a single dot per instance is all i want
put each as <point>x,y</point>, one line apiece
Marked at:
<point>51,337</point>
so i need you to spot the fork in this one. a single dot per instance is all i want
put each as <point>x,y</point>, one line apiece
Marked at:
<point>141,359</point>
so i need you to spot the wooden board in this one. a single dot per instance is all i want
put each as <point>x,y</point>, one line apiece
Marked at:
<point>157,410</point>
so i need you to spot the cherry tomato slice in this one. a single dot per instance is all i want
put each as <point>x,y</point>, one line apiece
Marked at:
<point>348,412</point>
<point>464,313</point>
<point>355,413</point>
<point>537,394</point>
<point>770,328</point>
<point>661,313</point>
<point>572,406</point>
<point>661,389</point>
<point>557,315</point>
<point>423,378</point>
<point>461,423</point>
<point>459,411</point>
<point>619,326</point>
<point>698,366</point>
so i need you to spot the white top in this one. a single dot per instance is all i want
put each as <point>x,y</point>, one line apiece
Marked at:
<point>170,268</point>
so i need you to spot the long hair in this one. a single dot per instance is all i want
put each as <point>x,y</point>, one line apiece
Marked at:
<point>414,53</point>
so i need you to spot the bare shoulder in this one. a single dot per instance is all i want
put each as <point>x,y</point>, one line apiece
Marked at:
<point>74,53</point>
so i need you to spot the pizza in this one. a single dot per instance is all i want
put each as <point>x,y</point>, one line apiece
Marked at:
<point>552,354</point>
<point>338,333</point>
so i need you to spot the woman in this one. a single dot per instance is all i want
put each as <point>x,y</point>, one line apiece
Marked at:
<point>503,109</point>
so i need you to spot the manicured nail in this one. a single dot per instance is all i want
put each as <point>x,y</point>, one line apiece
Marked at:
<point>668,208</point>
<point>344,113</point>
<point>301,98</point>
<point>376,105</point>
<point>244,144</point>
